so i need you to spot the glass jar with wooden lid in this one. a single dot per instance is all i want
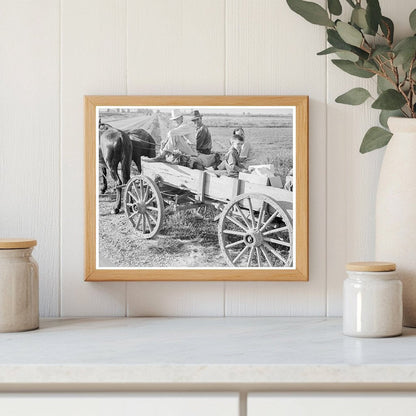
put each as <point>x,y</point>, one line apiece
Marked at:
<point>19,286</point>
<point>372,300</point>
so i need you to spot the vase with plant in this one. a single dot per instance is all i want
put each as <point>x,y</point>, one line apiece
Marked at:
<point>363,45</point>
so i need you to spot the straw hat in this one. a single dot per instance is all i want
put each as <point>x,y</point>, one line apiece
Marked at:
<point>176,114</point>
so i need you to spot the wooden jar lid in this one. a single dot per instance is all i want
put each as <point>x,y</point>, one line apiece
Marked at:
<point>11,243</point>
<point>371,266</point>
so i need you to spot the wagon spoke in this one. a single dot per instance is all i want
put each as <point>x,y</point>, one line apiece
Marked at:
<point>134,213</point>
<point>242,215</point>
<point>131,204</point>
<point>150,200</point>
<point>232,232</point>
<point>274,230</point>
<point>153,208</point>
<point>148,222</point>
<point>139,221</point>
<point>280,242</point>
<point>237,223</point>
<point>234,244</point>
<point>137,191</point>
<point>144,223</point>
<point>274,252</point>
<point>261,215</point>
<point>151,217</point>
<point>258,257</point>
<point>133,196</point>
<point>266,256</point>
<point>250,207</point>
<point>146,194</point>
<point>269,220</point>
<point>241,253</point>
<point>141,190</point>
<point>250,256</point>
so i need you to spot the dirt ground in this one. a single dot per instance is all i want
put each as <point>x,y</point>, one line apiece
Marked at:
<point>183,241</point>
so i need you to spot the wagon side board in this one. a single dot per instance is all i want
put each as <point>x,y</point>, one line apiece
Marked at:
<point>218,188</point>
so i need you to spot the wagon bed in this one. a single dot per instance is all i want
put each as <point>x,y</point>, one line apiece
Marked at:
<point>255,220</point>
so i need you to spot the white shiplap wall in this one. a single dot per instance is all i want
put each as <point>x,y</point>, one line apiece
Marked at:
<point>55,52</point>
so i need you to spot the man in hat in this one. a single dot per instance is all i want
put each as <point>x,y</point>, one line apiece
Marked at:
<point>178,139</point>
<point>203,140</point>
<point>203,136</point>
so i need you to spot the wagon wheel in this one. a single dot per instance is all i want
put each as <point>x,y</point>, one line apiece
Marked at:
<point>143,205</point>
<point>254,231</point>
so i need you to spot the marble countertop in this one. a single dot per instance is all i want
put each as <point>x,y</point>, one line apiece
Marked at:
<point>204,351</point>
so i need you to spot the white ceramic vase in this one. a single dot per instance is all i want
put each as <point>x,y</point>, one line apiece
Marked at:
<point>396,210</point>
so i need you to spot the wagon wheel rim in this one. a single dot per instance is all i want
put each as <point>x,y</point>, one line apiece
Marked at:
<point>255,231</point>
<point>143,205</point>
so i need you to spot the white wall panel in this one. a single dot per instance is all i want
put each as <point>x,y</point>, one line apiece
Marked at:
<point>93,59</point>
<point>29,141</point>
<point>352,177</point>
<point>272,51</point>
<point>55,52</point>
<point>175,48</point>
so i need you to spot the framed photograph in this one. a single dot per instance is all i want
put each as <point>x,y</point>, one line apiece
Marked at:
<point>196,188</point>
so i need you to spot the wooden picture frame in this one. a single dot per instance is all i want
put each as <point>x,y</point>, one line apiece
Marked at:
<point>231,111</point>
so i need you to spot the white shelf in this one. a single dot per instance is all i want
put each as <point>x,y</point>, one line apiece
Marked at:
<point>200,352</point>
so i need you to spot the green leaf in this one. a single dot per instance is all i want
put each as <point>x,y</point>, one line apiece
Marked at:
<point>311,12</point>
<point>370,64</point>
<point>335,40</point>
<point>405,50</point>
<point>347,55</point>
<point>349,34</point>
<point>352,68</point>
<point>381,50</point>
<point>375,138</point>
<point>358,18</point>
<point>412,20</point>
<point>386,114</point>
<point>328,51</point>
<point>373,15</point>
<point>389,100</point>
<point>334,7</point>
<point>387,27</point>
<point>356,96</point>
<point>383,84</point>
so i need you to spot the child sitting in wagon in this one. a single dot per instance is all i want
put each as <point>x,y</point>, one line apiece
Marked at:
<point>232,163</point>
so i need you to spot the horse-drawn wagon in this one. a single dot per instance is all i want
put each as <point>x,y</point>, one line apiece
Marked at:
<point>255,221</point>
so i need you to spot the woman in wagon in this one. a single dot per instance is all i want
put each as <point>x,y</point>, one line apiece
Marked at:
<point>232,163</point>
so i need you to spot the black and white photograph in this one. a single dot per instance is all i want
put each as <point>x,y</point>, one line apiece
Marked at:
<point>195,187</point>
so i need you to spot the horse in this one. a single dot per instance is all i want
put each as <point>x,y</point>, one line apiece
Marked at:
<point>117,146</point>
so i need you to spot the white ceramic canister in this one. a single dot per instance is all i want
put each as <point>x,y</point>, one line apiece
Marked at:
<point>19,286</point>
<point>372,300</point>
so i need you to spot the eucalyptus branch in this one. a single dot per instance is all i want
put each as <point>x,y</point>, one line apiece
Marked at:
<point>361,35</point>
<point>411,82</point>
